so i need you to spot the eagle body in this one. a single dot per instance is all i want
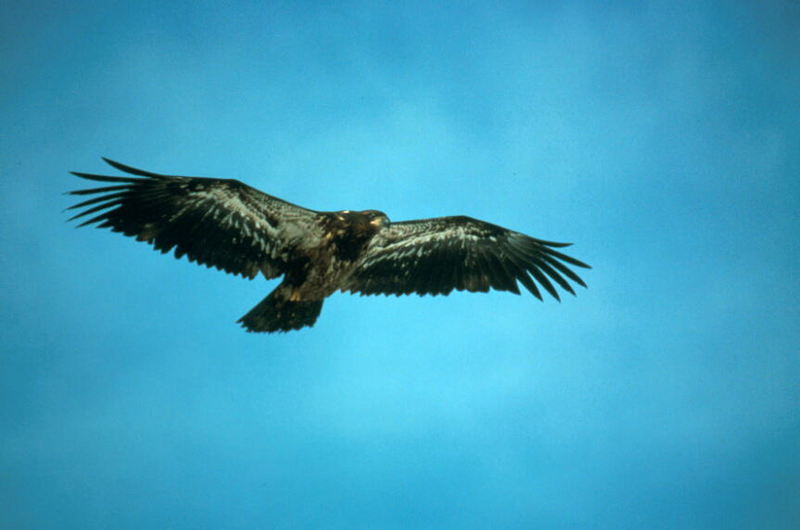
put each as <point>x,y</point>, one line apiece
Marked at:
<point>228,225</point>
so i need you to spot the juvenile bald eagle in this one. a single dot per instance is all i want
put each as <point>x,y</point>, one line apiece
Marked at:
<point>229,225</point>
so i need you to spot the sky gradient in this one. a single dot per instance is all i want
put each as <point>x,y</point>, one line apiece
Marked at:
<point>662,139</point>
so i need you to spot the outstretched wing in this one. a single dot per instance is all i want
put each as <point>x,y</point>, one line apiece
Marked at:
<point>435,256</point>
<point>220,223</point>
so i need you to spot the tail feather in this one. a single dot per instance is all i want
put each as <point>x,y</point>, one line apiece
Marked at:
<point>277,313</point>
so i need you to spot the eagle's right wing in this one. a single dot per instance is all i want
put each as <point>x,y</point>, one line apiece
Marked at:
<point>435,256</point>
<point>220,223</point>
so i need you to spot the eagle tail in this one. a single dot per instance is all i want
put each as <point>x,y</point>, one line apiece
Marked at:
<point>277,312</point>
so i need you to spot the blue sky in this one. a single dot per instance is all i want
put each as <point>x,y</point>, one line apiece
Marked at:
<point>663,139</point>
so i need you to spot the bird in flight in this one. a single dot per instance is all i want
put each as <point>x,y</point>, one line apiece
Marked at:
<point>229,225</point>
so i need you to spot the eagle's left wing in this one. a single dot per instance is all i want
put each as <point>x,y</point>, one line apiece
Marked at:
<point>220,223</point>
<point>435,256</point>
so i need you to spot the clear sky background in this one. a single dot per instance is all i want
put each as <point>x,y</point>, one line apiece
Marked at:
<point>662,138</point>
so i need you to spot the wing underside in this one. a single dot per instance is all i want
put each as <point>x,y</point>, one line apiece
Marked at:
<point>437,256</point>
<point>220,223</point>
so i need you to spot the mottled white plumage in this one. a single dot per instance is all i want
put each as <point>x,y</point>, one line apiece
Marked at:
<point>226,224</point>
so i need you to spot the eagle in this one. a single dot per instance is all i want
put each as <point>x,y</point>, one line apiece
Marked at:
<point>226,224</point>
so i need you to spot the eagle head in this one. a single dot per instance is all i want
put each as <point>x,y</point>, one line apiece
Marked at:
<point>376,218</point>
<point>370,220</point>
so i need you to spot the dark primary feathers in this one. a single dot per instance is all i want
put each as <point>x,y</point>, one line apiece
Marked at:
<point>228,225</point>
<point>435,256</point>
<point>217,222</point>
